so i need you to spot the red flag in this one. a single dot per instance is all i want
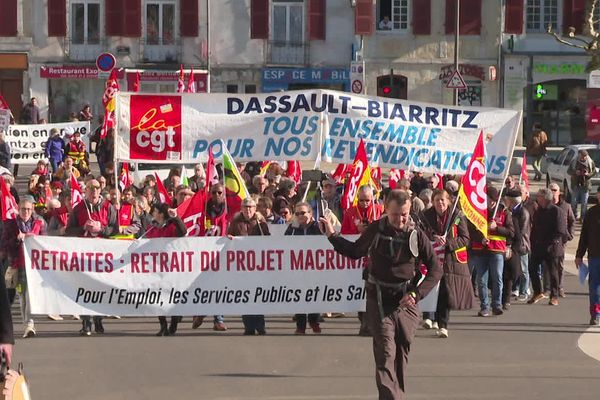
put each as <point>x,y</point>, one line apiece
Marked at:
<point>136,83</point>
<point>124,181</point>
<point>3,104</point>
<point>472,194</point>
<point>340,172</point>
<point>524,177</point>
<point>10,209</point>
<point>395,176</point>
<point>212,176</point>
<point>109,103</point>
<point>49,196</point>
<point>360,171</point>
<point>192,213</point>
<point>191,86</point>
<point>181,80</point>
<point>76,192</point>
<point>264,168</point>
<point>163,195</point>
<point>294,171</point>
<point>440,181</point>
<point>376,178</point>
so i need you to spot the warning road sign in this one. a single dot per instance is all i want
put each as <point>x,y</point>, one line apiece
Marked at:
<point>357,86</point>
<point>456,81</point>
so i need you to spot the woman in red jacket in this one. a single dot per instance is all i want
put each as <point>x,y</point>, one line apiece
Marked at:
<point>163,226</point>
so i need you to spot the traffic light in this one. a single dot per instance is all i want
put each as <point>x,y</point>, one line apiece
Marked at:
<point>392,86</point>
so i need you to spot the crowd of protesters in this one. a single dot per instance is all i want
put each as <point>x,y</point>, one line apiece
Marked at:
<point>520,260</point>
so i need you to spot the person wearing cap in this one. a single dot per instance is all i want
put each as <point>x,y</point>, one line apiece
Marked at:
<point>182,193</point>
<point>452,187</point>
<point>96,218</point>
<point>519,245</point>
<point>548,235</point>
<point>488,253</point>
<point>285,195</point>
<point>54,150</point>
<point>77,151</point>
<point>249,222</point>
<point>331,196</point>
<point>582,169</point>
<point>589,242</point>
<point>566,208</point>
<point>41,169</point>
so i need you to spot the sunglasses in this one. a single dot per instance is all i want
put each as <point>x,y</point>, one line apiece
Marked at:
<point>554,190</point>
<point>300,213</point>
<point>217,192</point>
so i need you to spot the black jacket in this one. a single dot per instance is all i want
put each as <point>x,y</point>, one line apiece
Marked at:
<point>6,326</point>
<point>521,242</point>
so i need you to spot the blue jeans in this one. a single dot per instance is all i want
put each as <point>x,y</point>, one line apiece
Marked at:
<point>524,279</point>
<point>594,282</point>
<point>580,196</point>
<point>489,264</point>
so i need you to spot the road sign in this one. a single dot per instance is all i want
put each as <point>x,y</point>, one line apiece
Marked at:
<point>357,86</point>
<point>357,77</point>
<point>456,81</point>
<point>106,62</point>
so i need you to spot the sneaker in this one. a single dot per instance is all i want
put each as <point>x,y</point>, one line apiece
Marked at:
<point>249,332</point>
<point>300,331</point>
<point>561,293</point>
<point>98,327</point>
<point>261,332</point>
<point>484,313</point>
<point>85,331</point>
<point>55,317</point>
<point>497,311</point>
<point>553,301</point>
<point>219,326</point>
<point>595,321</point>
<point>535,298</point>
<point>197,321</point>
<point>546,294</point>
<point>435,325</point>
<point>522,298</point>
<point>29,332</point>
<point>315,327</point>
<point>514,293</point>
<point>442,333</point>
<point>506,306</point>
<point>427,323</point>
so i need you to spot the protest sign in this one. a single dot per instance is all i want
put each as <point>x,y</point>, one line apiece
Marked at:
<point>302,125</point>
<point>191,276</point>
<point>28,142</point>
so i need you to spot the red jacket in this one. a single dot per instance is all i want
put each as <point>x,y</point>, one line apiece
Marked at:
<point>174,227</point>
<point>103,212</point>
<point>12,246</point>
<point>356,215</point>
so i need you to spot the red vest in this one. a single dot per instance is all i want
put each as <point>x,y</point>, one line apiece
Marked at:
<point>496,243</point>
<point>162,232</point>
<point>101,215</point>
<point>355,216</point>
<point>125,214</point>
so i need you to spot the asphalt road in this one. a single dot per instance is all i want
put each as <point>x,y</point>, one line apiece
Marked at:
<point>531,352</point>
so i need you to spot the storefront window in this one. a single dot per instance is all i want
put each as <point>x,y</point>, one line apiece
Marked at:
<point>85,22</point>
<point>160,22</point>
<point>288,25</point>
<point>540,14</point>
<point>392,15</point>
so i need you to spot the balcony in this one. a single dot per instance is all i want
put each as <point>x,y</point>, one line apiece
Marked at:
<point>84,51</point>
<point>161,50</point>
<point>288,53</point>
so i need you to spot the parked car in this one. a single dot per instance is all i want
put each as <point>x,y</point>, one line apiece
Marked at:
<point>559,165</point>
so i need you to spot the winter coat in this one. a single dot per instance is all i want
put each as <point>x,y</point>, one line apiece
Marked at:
<point>240,226</point>
<point>55,148</point>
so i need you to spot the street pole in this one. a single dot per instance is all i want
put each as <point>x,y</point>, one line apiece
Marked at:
<point>456,35</point>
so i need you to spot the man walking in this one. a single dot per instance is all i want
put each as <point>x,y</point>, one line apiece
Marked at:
<point>560,202</point>
<point>582,169</point>
<point>548,235</point>
<point>589,242</point>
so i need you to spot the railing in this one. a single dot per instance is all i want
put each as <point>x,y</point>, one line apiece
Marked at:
<point>84,51</point>
<point>161,50</point>
<point>288,53</point>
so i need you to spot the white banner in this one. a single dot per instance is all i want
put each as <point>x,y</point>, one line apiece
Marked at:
<point>28,142</point>
<point>151,277</point>
<point>300,125</point>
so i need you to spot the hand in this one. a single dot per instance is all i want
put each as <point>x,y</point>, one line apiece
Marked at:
<point>172,212</point>
<point>493,225</point>
<point>407,301</point>
<point>361,227</point>
<point>93,226</point>
<point>7,349</point>
<point>440,239</point>
<point>20,236</point>
<point>326,226</point>
<point>578,262</point>
<point>230,237</point>
<point>485,242</point>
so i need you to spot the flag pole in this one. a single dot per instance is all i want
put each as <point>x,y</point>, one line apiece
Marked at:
<point>449,222</point>
<point>498,202</point>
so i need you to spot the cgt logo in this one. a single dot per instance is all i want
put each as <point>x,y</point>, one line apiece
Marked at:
<point>155,128</point>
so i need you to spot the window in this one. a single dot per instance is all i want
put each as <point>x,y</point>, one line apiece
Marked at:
<point>288,21</point>
<point>250,89</point>
<point>393,15</point>
<point>85,22</point>
<point>160,22</point>
<point>231,89</point>
<point>540,14</point>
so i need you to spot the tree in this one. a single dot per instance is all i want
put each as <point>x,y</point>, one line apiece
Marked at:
<point>589,40</point>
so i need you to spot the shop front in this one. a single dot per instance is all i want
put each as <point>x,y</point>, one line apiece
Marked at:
<point>165,81</point>
<point>278,79</point>
<point>12,67</point>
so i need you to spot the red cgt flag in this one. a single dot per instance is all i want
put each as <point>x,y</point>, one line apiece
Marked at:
<point>212,176</point>
<point>294,171</point>
<point>136,83</point>
<point>3,104</point>
<point>360,175</point>
<point>472,194</point>
<point>163,194</point>
<point>340,172</point>
<point>524,177</point>
<point>395,176</point>
<point>192,213</point>
<point>10,209</point>
<point>76,192</point>
<point>124,181</point>
<point>191,86</point>
<point>109,103</point>
<point>181,80</point>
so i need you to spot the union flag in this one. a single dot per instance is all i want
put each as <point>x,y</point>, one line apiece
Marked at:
<point>472,194</point>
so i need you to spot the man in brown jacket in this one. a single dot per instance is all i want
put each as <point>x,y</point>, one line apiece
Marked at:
<point>395,248</point>
<point>536,147</point>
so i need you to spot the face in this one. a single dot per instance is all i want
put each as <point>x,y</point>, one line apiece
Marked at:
<point>25,210</point>
<point>198,171</point>
<point>365,199</point>
<point>286,214</point>
<point>102,181</point>
<point>303,215</point>
<point>182,196</point>
<point>76,138</point>
<point>149,195</point>
<point>157,216</point>
<point>398,215</point>
<point>328,189</point>
<point>541,200</point>
<point>249,210</point>
<point>34,102</point>
<point>491,203</point>
<point>555,192</point>
<point>582,157</point>
<point>509,182</point>
<point>69,162</point>
<point>92,191</point>
<point>128,196</point>
<point>217,194</point>
<point>262,184</point>
<point>440,203</point>
<point>263,209</point>
<point>175,180</point>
